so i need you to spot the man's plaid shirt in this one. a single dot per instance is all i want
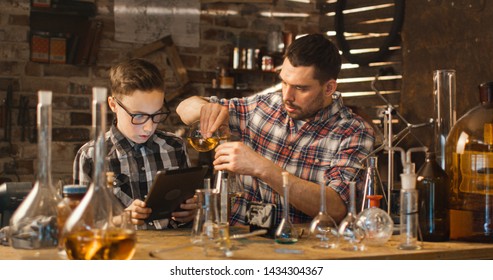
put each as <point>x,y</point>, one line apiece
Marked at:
<point>327,148</point>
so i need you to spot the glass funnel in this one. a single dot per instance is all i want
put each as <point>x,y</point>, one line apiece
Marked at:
<point>376,223</point>
<point>469,164</point>
<point>323,229</point>
<point>286,233</point>
<point>351,233</point>
<point>93,232</point>
<point>34,224</point>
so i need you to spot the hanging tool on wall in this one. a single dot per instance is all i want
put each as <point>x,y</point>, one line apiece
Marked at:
<point>23,119</point>
<point>8,114</point>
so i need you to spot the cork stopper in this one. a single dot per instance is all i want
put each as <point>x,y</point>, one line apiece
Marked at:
<point>374,200</point>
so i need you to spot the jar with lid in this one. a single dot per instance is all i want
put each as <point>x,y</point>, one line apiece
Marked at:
<point>469,164</point>
<point>72,195</point>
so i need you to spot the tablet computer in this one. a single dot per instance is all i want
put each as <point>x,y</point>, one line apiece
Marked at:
<point>171,188</point>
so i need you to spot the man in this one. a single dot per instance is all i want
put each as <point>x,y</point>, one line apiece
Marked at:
<point>305,130</point>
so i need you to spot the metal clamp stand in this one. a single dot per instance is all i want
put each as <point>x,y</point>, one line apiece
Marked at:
<point>390,138</point>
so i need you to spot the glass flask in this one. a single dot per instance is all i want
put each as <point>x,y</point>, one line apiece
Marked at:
<point>197,140</point>
<point>376,223</point>
<point>351,233</point>
<point>286,233</point>
<point>373,183</point>
<point>93,232</point>
<point>323,228</point>
<point>432,185</point>
<point>469,165</point>
<point>409,210</point>
<point>34,224</point>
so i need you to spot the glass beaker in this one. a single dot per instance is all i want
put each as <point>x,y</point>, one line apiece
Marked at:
<point>351,233</point>
<point>286,233</point>
<point>93,232</point>
<point>323,228</point>
<point>207,230</point>
<point>34,223</point>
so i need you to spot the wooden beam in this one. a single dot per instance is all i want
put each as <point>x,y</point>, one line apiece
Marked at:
<point>171,53</point>
<point>235,1</point>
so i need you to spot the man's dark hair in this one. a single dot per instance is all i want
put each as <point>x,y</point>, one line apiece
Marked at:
<point>318,51</point>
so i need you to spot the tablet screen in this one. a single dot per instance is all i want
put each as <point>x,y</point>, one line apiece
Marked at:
<point>171,188</point>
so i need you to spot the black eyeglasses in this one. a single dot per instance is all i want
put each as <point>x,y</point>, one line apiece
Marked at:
<point>142,118</point>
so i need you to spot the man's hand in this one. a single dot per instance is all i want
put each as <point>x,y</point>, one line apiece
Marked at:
<point>212,116</point>
<point>239,158</point>
<point>139,212</point>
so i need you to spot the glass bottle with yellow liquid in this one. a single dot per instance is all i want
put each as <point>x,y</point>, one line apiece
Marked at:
<point>94,231</point>
<point>469,164</point>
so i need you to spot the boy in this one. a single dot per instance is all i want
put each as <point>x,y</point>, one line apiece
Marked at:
<point>135,149</point>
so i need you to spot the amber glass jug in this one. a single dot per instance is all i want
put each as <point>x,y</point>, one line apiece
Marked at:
<point>469,164</point>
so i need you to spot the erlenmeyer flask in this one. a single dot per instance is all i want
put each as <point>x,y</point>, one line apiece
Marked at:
<point>323,228</point>
<point>376,223</point>
<point>92,232</point>
<point>352,234</point>
<point>34,224</point>
<point>286,233</point>
<point>373,183</point>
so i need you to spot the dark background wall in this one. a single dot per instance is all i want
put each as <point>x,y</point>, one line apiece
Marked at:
<point>437,34</point>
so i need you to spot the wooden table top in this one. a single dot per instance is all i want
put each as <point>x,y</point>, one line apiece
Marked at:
<point>176,247</point>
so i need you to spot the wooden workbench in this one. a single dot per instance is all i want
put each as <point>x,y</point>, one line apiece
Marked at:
<point>261,248</point>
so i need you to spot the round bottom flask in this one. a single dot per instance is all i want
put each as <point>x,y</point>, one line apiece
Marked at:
<point>376,223</point>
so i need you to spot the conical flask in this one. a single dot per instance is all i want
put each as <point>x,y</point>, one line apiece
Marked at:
<point>34,224</point>
<point>432,184</point>
<point>373,184</point>
<point>92,232</point>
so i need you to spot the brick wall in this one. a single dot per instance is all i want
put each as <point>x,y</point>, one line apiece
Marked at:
<point>71,84</point>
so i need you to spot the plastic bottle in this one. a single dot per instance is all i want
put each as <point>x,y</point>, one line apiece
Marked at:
<point>432,185</point>
<point>409,210</point>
